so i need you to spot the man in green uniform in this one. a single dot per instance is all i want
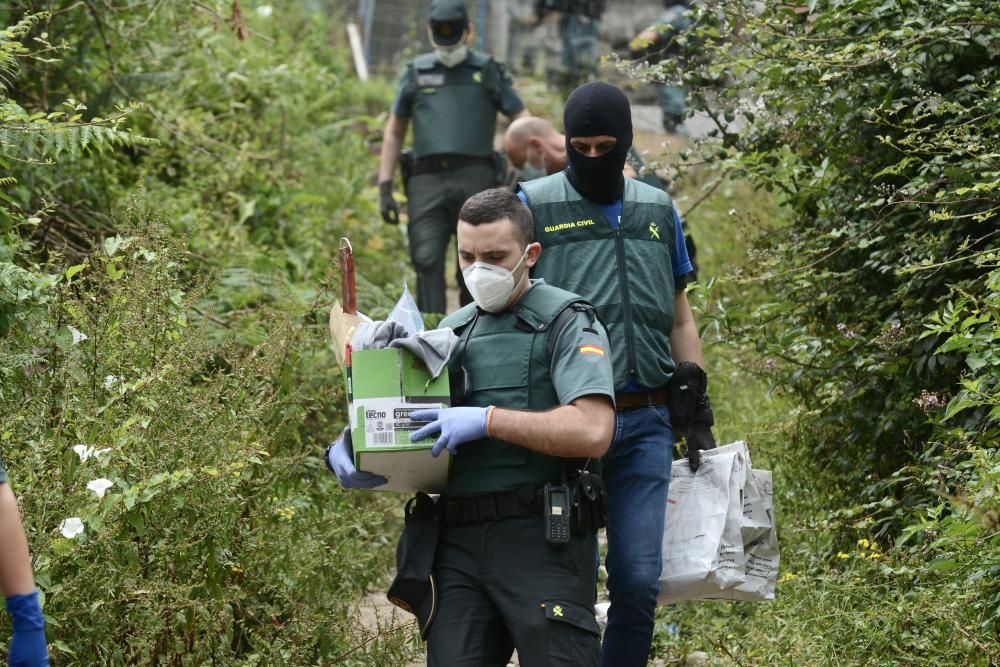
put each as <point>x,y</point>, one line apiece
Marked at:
<point>536,149</point>
<point>619,243</point>
<point>538,409</point>
<point>27,646</point>
<point>579,27</point>
<point>452,96</point>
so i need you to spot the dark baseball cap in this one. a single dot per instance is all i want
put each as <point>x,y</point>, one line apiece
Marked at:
<point>448,19</point>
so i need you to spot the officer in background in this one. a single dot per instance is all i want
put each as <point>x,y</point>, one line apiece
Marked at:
<point>27,646</point>
<point>618,242</point>
<point>452,96</point>
<point>659,42</point>
<point>579,25</point>
<point>536,411</point>
<point>537,149</point>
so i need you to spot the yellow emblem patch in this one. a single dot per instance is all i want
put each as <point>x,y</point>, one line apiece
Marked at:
<point>477,77</point>
<point>654,231</point>
<point>557,610</point>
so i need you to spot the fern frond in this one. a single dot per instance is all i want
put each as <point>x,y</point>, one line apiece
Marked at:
<point>41,142</point>
<point>10,46</point>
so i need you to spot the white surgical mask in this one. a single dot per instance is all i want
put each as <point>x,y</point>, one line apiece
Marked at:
<point>452,55</point>
<point>491,286</point>
<point>529,171</point>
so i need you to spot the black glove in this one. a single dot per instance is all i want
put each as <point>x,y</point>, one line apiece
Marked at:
<point>386,204</point>
<point>691,411</point>
<point>699,438</point>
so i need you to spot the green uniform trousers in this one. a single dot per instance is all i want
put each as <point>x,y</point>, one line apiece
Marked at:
<point>433,204</point>
<point>502,586</point>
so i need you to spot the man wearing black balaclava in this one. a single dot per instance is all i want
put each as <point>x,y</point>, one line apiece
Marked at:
<point>598,119</point>
<point>618,243</point>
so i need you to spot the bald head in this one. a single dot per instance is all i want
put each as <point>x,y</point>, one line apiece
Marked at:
<point>534,139</point>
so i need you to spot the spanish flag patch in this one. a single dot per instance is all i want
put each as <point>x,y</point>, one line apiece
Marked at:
<point>591,349</point>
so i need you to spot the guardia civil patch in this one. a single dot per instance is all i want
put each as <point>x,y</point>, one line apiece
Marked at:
<point>591,349</point>
<point>431,80</point>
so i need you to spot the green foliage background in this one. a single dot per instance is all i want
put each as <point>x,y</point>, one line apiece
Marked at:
<point>868,305</point>
<point>176,178</point>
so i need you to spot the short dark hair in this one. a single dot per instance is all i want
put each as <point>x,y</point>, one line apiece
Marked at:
<point>496,204</point>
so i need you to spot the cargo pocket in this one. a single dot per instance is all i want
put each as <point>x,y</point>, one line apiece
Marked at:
<point>572,635</point>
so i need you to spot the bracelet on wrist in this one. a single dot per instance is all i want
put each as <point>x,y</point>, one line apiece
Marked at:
<point>489,419</point>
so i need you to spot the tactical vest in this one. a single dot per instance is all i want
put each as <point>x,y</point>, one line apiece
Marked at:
<point>454,108</point>
<point>508,363</point>
<point>627,273</point>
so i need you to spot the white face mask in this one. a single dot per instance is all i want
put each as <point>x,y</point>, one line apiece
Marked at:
<point>491,286</point>
<point>530,171</point>
<point>451,55</point>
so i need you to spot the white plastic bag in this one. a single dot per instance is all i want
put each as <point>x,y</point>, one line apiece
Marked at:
<point>719,540</point>
<point>702,540</point>
<point>760,541</point>
<point>406,313</point>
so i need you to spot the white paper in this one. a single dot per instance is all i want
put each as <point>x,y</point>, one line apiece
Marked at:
<point>760,542</point>
<point>719,540</point>
<point>702,542</point>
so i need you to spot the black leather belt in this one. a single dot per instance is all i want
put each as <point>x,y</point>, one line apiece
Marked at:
<point>640,399</point>
<point>523,501</point>
<point>433,164</point>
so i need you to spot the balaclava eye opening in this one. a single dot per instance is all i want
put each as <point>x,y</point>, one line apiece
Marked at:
<point>596,109</point>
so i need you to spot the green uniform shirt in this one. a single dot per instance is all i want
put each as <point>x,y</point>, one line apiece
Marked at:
<point>507,359</point>
<point>581,361</point>
<point>454,109</point>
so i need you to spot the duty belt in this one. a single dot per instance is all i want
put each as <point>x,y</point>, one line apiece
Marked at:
<point>640,399</point>
<point>433,164</point>
<point>523,501</point>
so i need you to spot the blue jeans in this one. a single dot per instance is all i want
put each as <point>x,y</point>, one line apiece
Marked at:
<point>580,48</point>
<point>637,474</point>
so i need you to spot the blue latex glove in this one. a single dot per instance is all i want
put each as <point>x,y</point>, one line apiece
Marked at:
<point>456,425</point>
<point>27,646</point>
<point>340,459</point>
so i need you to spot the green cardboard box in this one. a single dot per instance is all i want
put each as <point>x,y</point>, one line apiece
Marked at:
<point>383,388</point>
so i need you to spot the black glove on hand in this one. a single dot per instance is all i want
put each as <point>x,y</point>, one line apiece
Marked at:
<point>387,205</point>
<point>699,438</point>
<point>691,411</point>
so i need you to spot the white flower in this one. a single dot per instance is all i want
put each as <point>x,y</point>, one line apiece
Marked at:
<point>71,527</point>
<point>264,10</point>
<point>85,452</point>
<point>78,336</point>
<point>109,381</point>
<point>100,485</point>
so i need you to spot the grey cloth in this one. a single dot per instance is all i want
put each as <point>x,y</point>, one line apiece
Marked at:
<point>433,347</point>
<point>376,335</point>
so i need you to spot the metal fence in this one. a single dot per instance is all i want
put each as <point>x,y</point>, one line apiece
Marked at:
<point>393,31</point>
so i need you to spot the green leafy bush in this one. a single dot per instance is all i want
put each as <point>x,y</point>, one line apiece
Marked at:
<point>222,537</point>
<point>875,126</point>
<point>167,244</point>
